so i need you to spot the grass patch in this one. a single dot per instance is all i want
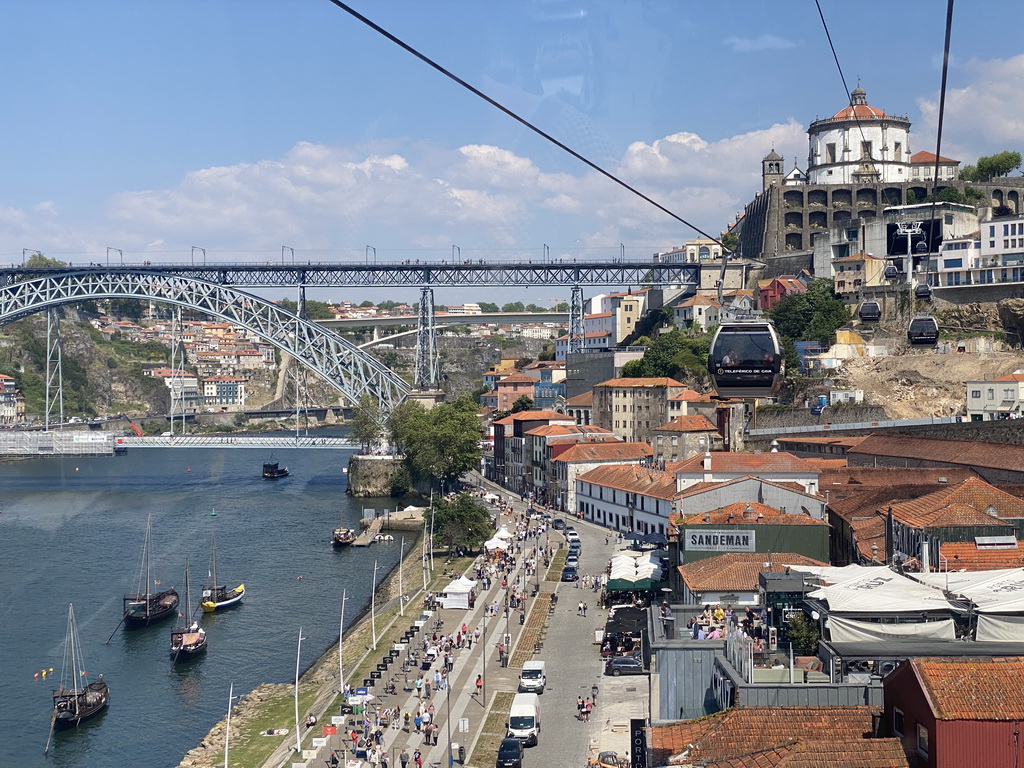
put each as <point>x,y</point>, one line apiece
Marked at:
<point>485,752</point>
<point>557,564</point>
<point>248,747</point>
<point>533,630</point>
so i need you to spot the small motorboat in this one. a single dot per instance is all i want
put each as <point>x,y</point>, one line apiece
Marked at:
<point>343,537</point>
<point>274,471</point>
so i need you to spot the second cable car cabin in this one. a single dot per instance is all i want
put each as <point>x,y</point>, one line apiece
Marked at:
<point>923,331</point>
<point>869,312</point>
<point>746,360</point>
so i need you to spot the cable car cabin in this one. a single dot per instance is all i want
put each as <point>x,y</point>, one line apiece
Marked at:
<point>869,312</point>
<point>922,291</point>
<point>923,331</point>
<point>746,360</point>
<point>890,272</point>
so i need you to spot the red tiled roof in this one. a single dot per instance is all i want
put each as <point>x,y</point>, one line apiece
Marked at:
<point>539,416</point>
<point>702,487</point>
<point>1015,376</point>
<point>585,400</point>
<point>929,157</point>
<point>591,437</point>
<point>982,688</point>
<point>702,301</point>
<point>654,483</point>
<point>778,737</point>
<point>859,112</point>
<point>737,570</point>
<point>517,378</point>
<point>691,395</point>
<point>868,532</point>
<point>689,423</point>
<point>659,381</point>
<point>748,463</point>
<point>960,505</point>
<point>566,429</point>
<point>607,452</point>
<point>737,513</point>
<point>820,462</point>
<point>956,452</point>
<point>965,555</point>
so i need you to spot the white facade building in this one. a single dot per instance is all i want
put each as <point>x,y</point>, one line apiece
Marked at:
<point>1001,398</point>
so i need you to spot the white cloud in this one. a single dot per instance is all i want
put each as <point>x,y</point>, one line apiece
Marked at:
<point>984,117</point>
<point>763,42</point>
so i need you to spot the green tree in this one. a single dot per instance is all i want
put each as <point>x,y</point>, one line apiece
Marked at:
<point>672,354</point>
<point>461,523</point>
<point>315,310</point>
<point>803,633</point>
<point>535,308</point>
<point>562,306</point>
<point>488,306</point>
<point>730,241</point>
<point>523,403</point>
<point>999,164</point>
<point>441,444</point>
<point>366,424</point>
<point>44,262</point>
<point>969,196</point>
<point>513,306</point>
<point>811,316</point>
<point>367,303</point>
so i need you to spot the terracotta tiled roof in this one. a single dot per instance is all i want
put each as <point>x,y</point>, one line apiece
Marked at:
<point>736,514</point>
<point>659,381</point>
<point>778,737</point>
<point>868,532</point>
<point>965,555</point>
<point>982,688</point>
<point>517,378</point>
<point>654,483</point>
<point>689,423</point>
<point>1015,376</point>
<point>749,463</point>
<point>956,452</point>
<point>737,570</point>
<point>586,400</point>
<point>963,504</point>
<point>842,441</point>
<point>691,395</point>
<point>607,452</point>
<point>539,416</point>
<point>566,429</point>
<point>699,301</point>
<point>888,476</point>
<point>822,463</point>
<point>699,488</point>
<point>600,436</point>
<point>929,157</point>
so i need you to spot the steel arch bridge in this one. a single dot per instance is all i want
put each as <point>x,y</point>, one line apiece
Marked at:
<point>350,370</point>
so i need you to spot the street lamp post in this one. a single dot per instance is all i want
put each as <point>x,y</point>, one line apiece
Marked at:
<point>373,606</point>
<point>483,653</point>
<point>33,251</point>
<point>287,248</point>
<point>366,254</point>
<point>298,651</point>
<point>119,253</point>
<point>341,642</point>
<point>448,705</point>
<point>202,251</point>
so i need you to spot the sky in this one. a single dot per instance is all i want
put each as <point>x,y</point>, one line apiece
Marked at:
<point>241,127</point>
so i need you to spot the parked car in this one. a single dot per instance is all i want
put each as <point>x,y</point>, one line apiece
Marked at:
<point>558,525</point>
<point>572,561</point>
<point>575,547</point>
<point>569,574</point>
<point>571,536</point>
<point>623,665</point>
<point>510,753</point>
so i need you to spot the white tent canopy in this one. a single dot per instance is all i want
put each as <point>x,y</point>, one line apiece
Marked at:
<point>850,630</point>
<point>880,590</point>
<point>456,594</point>
<point>496,543</point>
<point>999,591</point>
<point>503,533</point>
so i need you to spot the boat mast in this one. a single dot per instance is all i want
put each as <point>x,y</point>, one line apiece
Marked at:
<point>188,597</point>
<point>214,556</point>
<point>72,644</point>
<point>149,533</point>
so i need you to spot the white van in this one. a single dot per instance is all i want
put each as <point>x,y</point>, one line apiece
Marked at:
<point>533,678</point>
<point>524,718</point>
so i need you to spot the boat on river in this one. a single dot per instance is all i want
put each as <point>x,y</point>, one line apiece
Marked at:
<point>77,699</point>
<point>343,537</point>
<point>144,607</point>
<point>272,470</point>
<point>188,641</point>
<point>217,597</point>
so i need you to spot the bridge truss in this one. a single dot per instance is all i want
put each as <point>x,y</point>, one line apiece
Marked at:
<point>351,371</point>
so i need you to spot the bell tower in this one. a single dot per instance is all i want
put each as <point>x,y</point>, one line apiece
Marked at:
<point>772,170</point>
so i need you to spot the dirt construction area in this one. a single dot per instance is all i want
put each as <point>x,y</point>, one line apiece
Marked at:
<point>920,384</point>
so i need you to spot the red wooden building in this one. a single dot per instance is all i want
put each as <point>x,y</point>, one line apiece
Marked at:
<point>958,712</point>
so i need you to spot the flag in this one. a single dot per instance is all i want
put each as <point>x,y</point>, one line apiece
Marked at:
<point>157,582</point>
<point>330,730</point>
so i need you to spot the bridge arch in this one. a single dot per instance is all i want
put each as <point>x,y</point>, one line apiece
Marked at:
<point>350,370</point>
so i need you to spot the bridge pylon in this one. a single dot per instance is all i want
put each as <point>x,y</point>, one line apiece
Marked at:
<point>426,343</point>
<point>54,371</point>
<point>576,326</point>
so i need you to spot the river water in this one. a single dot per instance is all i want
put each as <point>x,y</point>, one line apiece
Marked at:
<point>72,530</point>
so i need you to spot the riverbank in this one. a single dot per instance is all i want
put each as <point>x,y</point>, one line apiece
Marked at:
<point>270,706</point>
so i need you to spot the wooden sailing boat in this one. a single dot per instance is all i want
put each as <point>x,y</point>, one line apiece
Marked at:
<point>143,608</point>
<point>190,640</point>
<point>272,470</point>
<point>77,699</point>
<point>217,597</point>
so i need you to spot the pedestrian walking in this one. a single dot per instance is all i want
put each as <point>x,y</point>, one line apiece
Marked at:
<point>426,690</point>
<point>403,758</point>
<point>418,759</point>
<point>588,707</point>
<point>584,610</point>
<point>579,707</point>
<point>479,684</point>
<point>419,723</point>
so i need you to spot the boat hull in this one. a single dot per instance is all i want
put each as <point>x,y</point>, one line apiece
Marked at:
<point>223,599</point>
<point>187,644</point>
<point>162,606</point>
<point>72,709</point>
<point>342,537</point>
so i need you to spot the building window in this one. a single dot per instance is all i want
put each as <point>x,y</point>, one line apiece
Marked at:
<point>991,394</point>
<point>1008,394</point>
<point>898,152</point>
<point>830,153</point>
<point>976,393</point>
<point>922,740</point>
<point>897,721</point>
<point>865,150</point>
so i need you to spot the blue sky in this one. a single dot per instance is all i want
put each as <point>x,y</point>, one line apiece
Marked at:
<point>242,127</point>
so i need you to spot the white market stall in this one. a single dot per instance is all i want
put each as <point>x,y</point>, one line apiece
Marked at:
<point>457,593</point>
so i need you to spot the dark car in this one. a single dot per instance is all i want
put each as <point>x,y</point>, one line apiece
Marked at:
<point>558,525</point>
<point>569,574</point>
<point>575,548</point>
<point>623,665</point>
<point>510,754</point>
